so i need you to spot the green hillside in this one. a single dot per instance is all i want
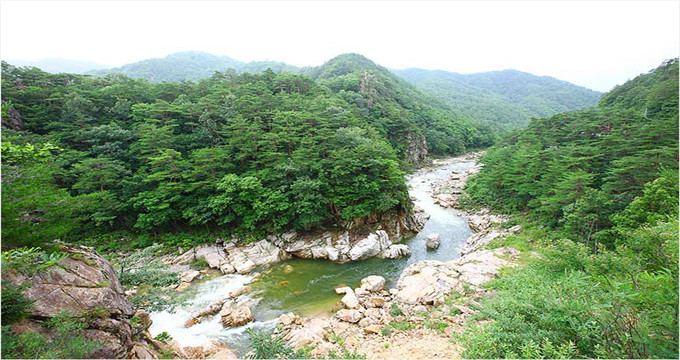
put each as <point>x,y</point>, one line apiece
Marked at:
<point>190,66</point>
<point>508,98</point>
<point>597,191</point>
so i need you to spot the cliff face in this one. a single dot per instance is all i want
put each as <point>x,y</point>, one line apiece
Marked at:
<point>416,150</point>
<point>84,284</point>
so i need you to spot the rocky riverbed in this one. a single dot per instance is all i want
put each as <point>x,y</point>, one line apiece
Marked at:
<point>372,318</point>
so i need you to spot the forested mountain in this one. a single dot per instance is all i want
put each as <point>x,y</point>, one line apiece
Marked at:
<point>508,97</point>
<point>399,111</point>
<point>250,153</point>
<point>189,66</point>
<point>605,178</point>
<point>57,65</point>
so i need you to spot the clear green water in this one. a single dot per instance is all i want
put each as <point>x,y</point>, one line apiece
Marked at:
<point>307,287</point>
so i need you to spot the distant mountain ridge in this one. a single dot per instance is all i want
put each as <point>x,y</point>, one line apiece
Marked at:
<point>59,65</point>
<point>507,97</point>
<point>190,66</point>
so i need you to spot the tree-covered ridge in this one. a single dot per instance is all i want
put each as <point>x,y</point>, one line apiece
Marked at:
<point>250,153</point>
<point>398,110</point>
<point>559,166</point>
<point>190,66</point>
<point>509,98</point>
<point>598,192</point>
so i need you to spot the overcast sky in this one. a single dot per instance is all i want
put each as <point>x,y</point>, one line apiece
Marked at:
<point>593,44</point>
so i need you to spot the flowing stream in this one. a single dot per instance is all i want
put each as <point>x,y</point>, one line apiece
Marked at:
<point>307,287</point>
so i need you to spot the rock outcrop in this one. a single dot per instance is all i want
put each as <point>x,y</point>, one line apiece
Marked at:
<point>366,238</point>
<point>84,284</point>
<point>429,282</point>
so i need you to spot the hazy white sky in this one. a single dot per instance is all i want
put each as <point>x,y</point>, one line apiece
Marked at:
<point>593,44</point>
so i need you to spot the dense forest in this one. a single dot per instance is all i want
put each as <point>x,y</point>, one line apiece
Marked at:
<point>606,179</point>
<point>503,99</point>
<point>101,158</point>
<point>508,98</point>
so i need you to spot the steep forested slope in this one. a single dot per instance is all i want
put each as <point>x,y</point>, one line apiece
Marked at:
<point>508,97</point>
<point>250,153</point>
<point>190,66</point>
<point>399,111</point>
<point>606,179</point>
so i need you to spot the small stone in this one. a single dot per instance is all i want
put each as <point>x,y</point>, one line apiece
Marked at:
<point>342,290</point>
<point>373,329</point>
<point>182,286</point>
<point>377,302</point>
<point>287,269</point>
<point>352,316</point>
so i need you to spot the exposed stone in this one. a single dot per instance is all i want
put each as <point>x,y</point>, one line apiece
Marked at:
<point>478,240</point>
<point>371,246</point>
<point>433,241</point>
<point>427,282</point>
<point>233,316</point>
<point>312,331</point>
<point>189,275</point>
<point>376,302</point>
<point>373,329</point>
<point>343,290</point>
<point>352,316</point>
<point>373,283</point>
<point>81,283</point>
<point>395,251</point>
<point>350,300</point>
<point>182,286</point>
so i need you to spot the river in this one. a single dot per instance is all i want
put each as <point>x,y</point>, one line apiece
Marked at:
<point>307,287</point>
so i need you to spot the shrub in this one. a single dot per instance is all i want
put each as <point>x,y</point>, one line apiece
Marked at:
<point>65,341</point>
<point>15,305</point>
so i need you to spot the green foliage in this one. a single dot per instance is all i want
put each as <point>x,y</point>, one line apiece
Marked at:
<point>232,153</point>
<point>507,99</point>
<point>29,261</point>
<point>199,264</point>
<point>576,170</point>
<point>65,340</point>
<point>611,305</point>
<point>15,305</point>
<point>266,346</point>
<point>163,336</point>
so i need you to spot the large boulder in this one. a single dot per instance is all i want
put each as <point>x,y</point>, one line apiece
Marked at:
<point>350,300</point>
<point>371,246</point>
<point>352,316</point>
<point>395,251</point>
<point>433,241</point>
<point>83,283</point>
<point>233,315</point>
<point>373,283</point>
<point>427,283</point>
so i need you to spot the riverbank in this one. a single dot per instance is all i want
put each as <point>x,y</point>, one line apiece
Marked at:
<point>431,303</point>
<point>274,277</point>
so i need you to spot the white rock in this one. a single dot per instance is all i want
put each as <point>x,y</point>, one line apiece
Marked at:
<point>350,300</point>
<point>244,267</point>
<point>343,290</point>
<point>373,283</point>
<point>352,316</point>
<point>214,259</point>
<point>433,241</point>
<point>396,251</point>
<point>189,275</point>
